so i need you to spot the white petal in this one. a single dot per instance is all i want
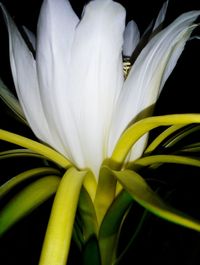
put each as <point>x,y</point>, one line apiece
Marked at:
<point>25,80</point>
<point>148,30</point>
<point>31,37</point>
<point>161,15</point>
<point>55,33</point>
<point>150,71</point>
<point>131,38</point>
<point>138,148</point>
<point>160,18</point>
<point>97,75</point>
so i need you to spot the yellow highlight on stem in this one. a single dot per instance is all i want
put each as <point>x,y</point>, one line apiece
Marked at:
<point>160,159</point>
<point>141,192</point>
<point>161,137</point>
<point>36,147</point>
<point>138,129</point>
<point>59,231</point>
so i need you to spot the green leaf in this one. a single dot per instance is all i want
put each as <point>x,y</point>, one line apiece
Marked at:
<point>14,153</point>
<point>161,137</point>
<point>59,231</point>
<point>110,227</point>
<point>138,129</point>
<point>77,234</point>
<point>11,101</point>
<point>191,148</point>
<point>35,147</point>
<point>11,183</point>
<point>160,159</point>
<point>145,196</point>
<point>171,136</point>
<point>91,253</point>
<point>27,200</point>
<point>113,218</point>
<point>88,215</point>
<point>105,194</point>
<point>90,184</point>
<point>181,135</point>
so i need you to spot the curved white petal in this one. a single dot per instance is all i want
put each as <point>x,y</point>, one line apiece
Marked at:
<point>55,33</point>
<point>97,75</point>
<point>148,30</point>
<point>161,15</point>
<point>150,71</point>
<point>160,18</point>
<point>31,36</point>
<point>131,38</point>
<point>25,80</point>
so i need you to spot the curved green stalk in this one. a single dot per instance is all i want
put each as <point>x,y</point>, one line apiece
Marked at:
<point>59,231</point>
<point>181,135</point>
<point>191,148</point>
<point>15,153</point>
<point>11,183</point>
<point>105,194</point>
<point>141,192</point>
<point>89,224</point>
<point>27,200</point>
<point>90,184</point>
<point>36,147</point>
<point>161,137</point>
<point>110,227</point>
<point>137,130</point>
<point>160,159</point>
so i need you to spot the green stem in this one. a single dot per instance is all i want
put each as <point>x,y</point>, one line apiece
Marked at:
<point>105,194</point>
<point>111,227</point>
<point>35,146</point>
<point>140,128</point>
<point>59,231</point>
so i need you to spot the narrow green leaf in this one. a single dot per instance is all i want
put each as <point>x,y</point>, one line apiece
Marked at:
<point>160,159</point>
<point>77,234</point>
<point>110,227</point>
<point>171,136</point>
<point>35,147</point>
<point>145,196</point>
<point>11,101</point>
<point>14,153</point>
<point>27,200</point>
<point>59,231</point>
<point>90,184</point>
<point>181,135</point>
<point>105,194</point>
<point>91,253</point>
<point>191,148</point>
<point>161,137</point>
<point>138,129</point>
<point>112,220</point>
<point>88,215</point>
<point>11,183</point>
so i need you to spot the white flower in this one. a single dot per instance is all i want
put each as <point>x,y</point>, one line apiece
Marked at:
<point>73,93</point>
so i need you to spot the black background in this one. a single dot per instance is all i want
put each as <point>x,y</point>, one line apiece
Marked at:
<point>159,242</point>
